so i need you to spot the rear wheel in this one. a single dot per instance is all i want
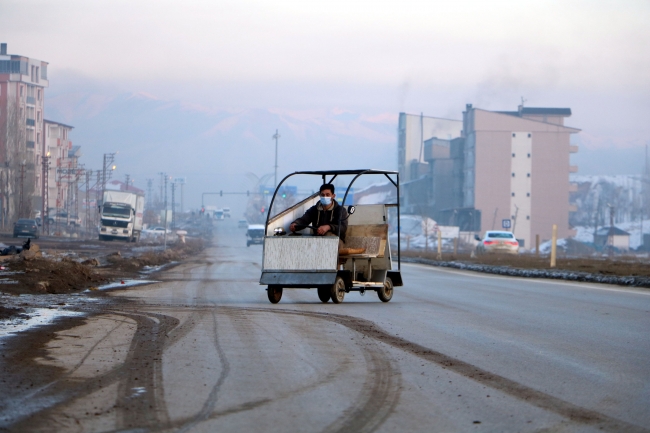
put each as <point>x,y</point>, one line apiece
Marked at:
<point>386,292</point>
<point>324,294</point>
<point>337,291</point>
<point>274,293</point>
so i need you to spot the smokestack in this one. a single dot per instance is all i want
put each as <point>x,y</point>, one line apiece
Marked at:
<point>3,49</point>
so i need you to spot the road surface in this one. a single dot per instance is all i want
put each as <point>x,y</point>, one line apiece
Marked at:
<point>204,351</point>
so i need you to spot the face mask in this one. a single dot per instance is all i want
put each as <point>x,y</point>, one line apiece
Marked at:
<point>326,201</point>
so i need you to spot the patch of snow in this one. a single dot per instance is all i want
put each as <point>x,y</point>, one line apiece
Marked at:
<point>37,317</point>
<point>126,283</point>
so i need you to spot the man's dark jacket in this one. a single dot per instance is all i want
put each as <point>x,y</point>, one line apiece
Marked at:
<point>317,216</point>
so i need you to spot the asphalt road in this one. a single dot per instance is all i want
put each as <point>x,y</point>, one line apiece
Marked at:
<point>204,351</point>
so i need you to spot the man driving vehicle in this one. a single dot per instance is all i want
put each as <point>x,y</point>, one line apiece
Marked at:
<point>325,215</point>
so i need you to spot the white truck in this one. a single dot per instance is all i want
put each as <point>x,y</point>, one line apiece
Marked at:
<point>121,216</point>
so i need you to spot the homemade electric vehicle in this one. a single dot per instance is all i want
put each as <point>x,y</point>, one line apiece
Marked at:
<point>304,260</point>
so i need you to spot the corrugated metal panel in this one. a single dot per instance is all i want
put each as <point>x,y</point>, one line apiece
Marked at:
<point>301,253</point>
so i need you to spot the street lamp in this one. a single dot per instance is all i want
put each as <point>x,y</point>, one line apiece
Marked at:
<point>275,179</point>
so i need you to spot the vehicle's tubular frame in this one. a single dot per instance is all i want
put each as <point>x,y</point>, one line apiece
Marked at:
<point>356,174</point>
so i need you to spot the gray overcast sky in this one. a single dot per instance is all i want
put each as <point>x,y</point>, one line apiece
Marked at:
<point>431,56</point>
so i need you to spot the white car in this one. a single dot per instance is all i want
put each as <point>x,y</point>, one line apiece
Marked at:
<point>157,231</point>
<point>497,242</point>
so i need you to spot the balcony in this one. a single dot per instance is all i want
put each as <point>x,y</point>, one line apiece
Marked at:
<point>31,122</point>
<point>30,144</point>
<point>573,169</point>
<point>31,100</point>
<point>573,148</point>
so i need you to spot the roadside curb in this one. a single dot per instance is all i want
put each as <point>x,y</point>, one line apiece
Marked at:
<point>584,277</point>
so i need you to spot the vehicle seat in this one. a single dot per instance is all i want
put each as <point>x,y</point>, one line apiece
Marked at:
<point>365,241</point>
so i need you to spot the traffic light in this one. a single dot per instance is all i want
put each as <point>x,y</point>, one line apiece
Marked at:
<point>262,210</point>
<point>284,195</point>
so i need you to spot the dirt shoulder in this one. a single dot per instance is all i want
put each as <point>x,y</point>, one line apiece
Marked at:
<point>626,271</point>
<point>48,272</point>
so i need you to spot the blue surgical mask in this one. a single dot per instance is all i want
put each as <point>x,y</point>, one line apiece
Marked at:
<point>326,201</point>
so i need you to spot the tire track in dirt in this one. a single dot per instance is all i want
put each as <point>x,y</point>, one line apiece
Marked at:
<point>211,401</point>
<point>143,370</point>
<point>522,392</point>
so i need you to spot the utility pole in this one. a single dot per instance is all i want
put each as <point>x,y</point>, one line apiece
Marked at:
<point>22,190</point>
<point>173,185</point>
<point>162,181</point>
<point>88,173</point>
<point>45,225</point>
<point>108,164</point>
<point>149,192</point>
<point>275,179</point>
<point>165,210</point>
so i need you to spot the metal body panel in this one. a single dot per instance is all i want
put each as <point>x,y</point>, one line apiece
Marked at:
<point>300,253</point>
<point>298,279</point>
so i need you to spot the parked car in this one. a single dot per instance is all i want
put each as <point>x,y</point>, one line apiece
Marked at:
<point>497,242</point>
<point>61,218</point>
<point>242,224</point>
<point>157,231</point>
<point>26,227</point>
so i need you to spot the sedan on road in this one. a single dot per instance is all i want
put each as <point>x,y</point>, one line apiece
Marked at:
<point>26,227</point>
<point>497,242</point>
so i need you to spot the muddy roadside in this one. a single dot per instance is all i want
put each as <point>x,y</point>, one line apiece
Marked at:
<point>622,270</point>
<point>38,277</point>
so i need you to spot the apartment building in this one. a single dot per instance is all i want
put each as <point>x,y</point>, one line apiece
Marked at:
<point>22,84</point>
<point>63,158</point>
<point>505,165</point>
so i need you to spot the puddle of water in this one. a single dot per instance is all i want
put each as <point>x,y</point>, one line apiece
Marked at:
<point>37,317</point>
<point>137,391</point>
<point>7,281</point>
<point>152,269</point>
<point>126,283</point>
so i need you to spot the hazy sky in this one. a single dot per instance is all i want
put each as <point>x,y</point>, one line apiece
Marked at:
<point>374,56</point>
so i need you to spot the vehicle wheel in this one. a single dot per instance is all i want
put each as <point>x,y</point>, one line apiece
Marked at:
<point>274,293</point>
<point>337,291</point>
<point>386,292</point>
<point>324,294</point>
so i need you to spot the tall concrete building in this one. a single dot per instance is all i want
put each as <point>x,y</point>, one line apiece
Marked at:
<point>63,174</point>
<point>506,165</point>
<point>413,131</point>
<point>22,84</point>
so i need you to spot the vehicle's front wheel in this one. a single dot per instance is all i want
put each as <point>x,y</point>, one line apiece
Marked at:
<point>337,292</point>
<point>274,293</point>
<point>386,292</point>
<point>324,294</point>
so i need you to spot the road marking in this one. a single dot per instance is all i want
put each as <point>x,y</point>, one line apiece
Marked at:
<point>478,274</point>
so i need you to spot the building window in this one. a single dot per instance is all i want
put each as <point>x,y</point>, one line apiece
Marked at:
<point>513,175</point>
<point>39,94</point>
<point>528,175</point>
<point>38,138</point>
<point>529,135</point>
<point>21,91</point>
<point>527,194</point>
<point>513,194</point>
<point>529,155</point>
<point>38,116</point>
<point>514,135</point>
<point>527,217</point>
<point>513,155</point>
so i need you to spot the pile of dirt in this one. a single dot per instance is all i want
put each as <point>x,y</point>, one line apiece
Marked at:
<point>34,274</point>
<point>42,275</point>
